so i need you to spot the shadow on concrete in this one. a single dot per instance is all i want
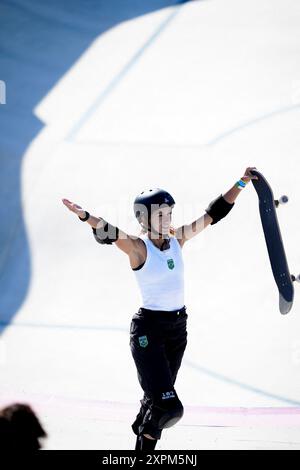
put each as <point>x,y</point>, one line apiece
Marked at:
<point>39,42</point>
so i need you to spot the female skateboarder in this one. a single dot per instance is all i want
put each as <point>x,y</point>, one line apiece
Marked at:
<point>158,335</point>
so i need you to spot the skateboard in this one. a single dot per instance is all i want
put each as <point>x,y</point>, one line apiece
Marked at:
<point>267,208</point>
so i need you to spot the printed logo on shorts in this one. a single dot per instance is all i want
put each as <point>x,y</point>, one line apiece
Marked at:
<point>143,340</point>
<point>171,263</point>
<point>167,395</point>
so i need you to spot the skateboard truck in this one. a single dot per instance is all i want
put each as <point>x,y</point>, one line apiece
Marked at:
<point>283,200</point>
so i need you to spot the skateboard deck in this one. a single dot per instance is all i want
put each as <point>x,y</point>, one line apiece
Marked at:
<point>277,256</point>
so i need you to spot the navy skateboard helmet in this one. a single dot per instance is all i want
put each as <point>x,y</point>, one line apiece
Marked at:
<point>150,200</point>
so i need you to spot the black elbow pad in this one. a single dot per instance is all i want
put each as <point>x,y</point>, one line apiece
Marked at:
<point>218,209</point>
<point>107,234</point>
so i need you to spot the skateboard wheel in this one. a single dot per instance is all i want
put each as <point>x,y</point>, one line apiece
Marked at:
<point>281,200</point>
<point>284,199</point>
<point>296,278</point>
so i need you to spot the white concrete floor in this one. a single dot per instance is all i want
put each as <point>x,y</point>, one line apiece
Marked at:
<point>183,97</point>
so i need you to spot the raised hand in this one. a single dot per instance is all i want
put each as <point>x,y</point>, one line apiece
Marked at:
<point>74,207</point>
<point>248,175</point>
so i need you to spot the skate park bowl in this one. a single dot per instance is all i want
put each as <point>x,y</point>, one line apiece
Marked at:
<point>98,101</point>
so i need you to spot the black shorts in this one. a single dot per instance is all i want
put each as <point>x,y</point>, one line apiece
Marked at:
<point>157,340</point>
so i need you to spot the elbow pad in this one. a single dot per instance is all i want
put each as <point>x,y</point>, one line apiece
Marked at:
<point>218,209</point>
<point>107,234</point>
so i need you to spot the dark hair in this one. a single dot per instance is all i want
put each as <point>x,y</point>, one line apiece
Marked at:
<point>20,428</point>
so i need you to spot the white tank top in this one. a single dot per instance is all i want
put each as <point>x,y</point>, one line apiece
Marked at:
<point>161,277</point>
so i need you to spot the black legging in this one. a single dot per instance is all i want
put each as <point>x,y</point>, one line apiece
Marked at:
<point>158,340</point>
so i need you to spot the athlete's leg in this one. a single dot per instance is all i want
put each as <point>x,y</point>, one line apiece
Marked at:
<point>164,408</point>
<point>145,403</point>
<point>175,347</point>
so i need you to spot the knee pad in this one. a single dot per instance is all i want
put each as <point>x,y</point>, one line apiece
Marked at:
<point>160,415</point>
<point>171,414</point>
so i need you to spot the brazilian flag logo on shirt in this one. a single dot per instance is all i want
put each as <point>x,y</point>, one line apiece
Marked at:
<point>171,264</point>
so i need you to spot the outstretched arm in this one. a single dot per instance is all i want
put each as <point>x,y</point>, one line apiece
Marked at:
<point>104,232</point>
<point>188,231</point>
<point>216,211</point>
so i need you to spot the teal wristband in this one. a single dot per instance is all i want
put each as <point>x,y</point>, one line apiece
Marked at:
<point>241,184</point>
